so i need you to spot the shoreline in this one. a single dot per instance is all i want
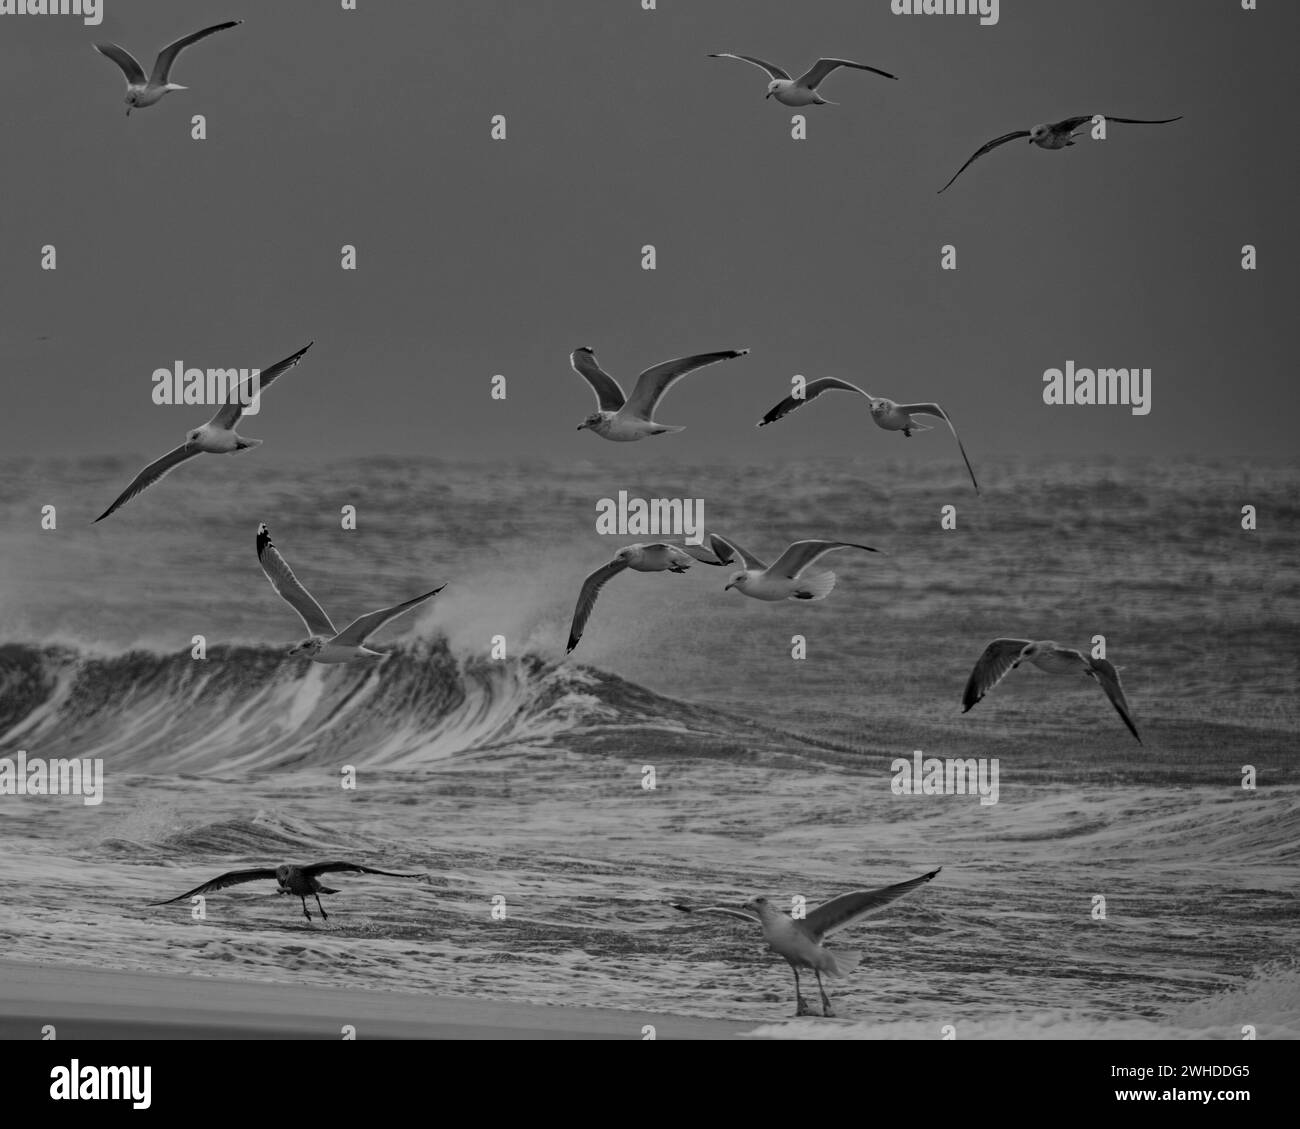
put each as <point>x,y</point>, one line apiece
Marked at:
<point>86,1003</point>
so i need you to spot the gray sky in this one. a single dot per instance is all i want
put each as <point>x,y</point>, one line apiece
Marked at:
<point>479,257</point>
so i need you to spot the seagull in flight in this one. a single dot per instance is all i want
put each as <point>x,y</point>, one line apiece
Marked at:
<point>625,419</point>
<point>801,91</point>
<point>216,437</point>
<point>788,578</point>
<point>1004,655</point>
<point>326,644</point>
<point>656,557</point>
<point>141,91</point>
<point>887,414</point>
<point>1056,135</point>
<point>299,880</point>
<point>800,940</point>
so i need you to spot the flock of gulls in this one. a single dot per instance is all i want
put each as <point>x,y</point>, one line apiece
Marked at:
<point>624,418</point>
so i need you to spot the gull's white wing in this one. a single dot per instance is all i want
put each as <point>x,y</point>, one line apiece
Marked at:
<point>357,631</point>
<point>812,389</point>
<point>229,414</point>
<point>985,149</point>
<point>167,56</point>
<point>1108,677</point>
<point>609,396</point>
<point>147,477</point>
<point>289,588</point>
<point>722,910</point>
<point>123,58</point>
<point>718,551</point>
<point>802,553</point>
<point>992,666</point>
<point>848,908</point>
<point>587,598</point>
<point>654,382</point>
<point>772,69</point>
<point>935,410</point>
<point>230,878</point>
<point>751,561</point>
<point>822,67</point>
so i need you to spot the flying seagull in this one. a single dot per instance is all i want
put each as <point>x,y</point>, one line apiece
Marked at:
<point>216,437</point>
<point>1003,655</point>
<point>299,880</point>
<point>801,91</point>
<point>141,91</point>
<point>326,644</point>
<point>656,557</point>
<point>800,941</point>
<point>887,414</point>
<point>624,419</point>
<point>1057,135</point>
<point>788,578</point>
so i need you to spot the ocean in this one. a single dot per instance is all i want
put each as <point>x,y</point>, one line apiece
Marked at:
<point>518,783</point>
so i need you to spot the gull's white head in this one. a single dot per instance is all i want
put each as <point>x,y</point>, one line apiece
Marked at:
<point>736,580</point>
<point>1038,132</point>
<point>193,437</point>
<point>591,421</point>
<point>307,648</point>
<point>760,906</point>
<point>772,87</point>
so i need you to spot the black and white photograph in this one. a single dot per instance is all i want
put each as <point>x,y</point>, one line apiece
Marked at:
<point>604,520</point>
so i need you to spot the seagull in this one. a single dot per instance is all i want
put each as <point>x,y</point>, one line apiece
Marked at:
<point>887,414</point>
<point>801,91</point>
<point>300,880</point>
<point>800,941</point>
<point>656,557</point>
<point>625,419</point>
<point>787,579</point>
<point>326,644</point>
<point>1057,135</point>
<point>141,91</point>
<point>216,437</point>
<point>1003,655</point>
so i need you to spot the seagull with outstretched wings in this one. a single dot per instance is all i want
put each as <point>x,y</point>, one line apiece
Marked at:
<point>1054,135</point>
<point>799,940</point>
<point>299,880</point>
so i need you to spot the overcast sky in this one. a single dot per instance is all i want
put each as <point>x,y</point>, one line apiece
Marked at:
<point>479,257</point>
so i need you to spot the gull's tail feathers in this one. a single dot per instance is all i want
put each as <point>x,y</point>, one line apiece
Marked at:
<point>843,961</point>
<point>666,429</point>
<point>326,890</point>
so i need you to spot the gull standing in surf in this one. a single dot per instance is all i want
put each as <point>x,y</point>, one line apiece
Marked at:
<point>801,91</point>
<point>627,419</point>
<point>326,643</point>
<point>887,414</point>
<point>299,880</point>
<point>788,578</point>
<point>800,940</point>
<point>1004,655</point>
<point>656,557</point>
<point>1055,135</point>
<point>142,91</point>
<point>216,437</point>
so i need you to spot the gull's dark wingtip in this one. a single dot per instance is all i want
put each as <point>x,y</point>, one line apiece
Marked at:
<point>263,537</point>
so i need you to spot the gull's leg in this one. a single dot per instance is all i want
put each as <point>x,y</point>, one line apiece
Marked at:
<point>323,914</point>
<point>801,1008</point>
<point>826,1003</point>
<point>304,908</point>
